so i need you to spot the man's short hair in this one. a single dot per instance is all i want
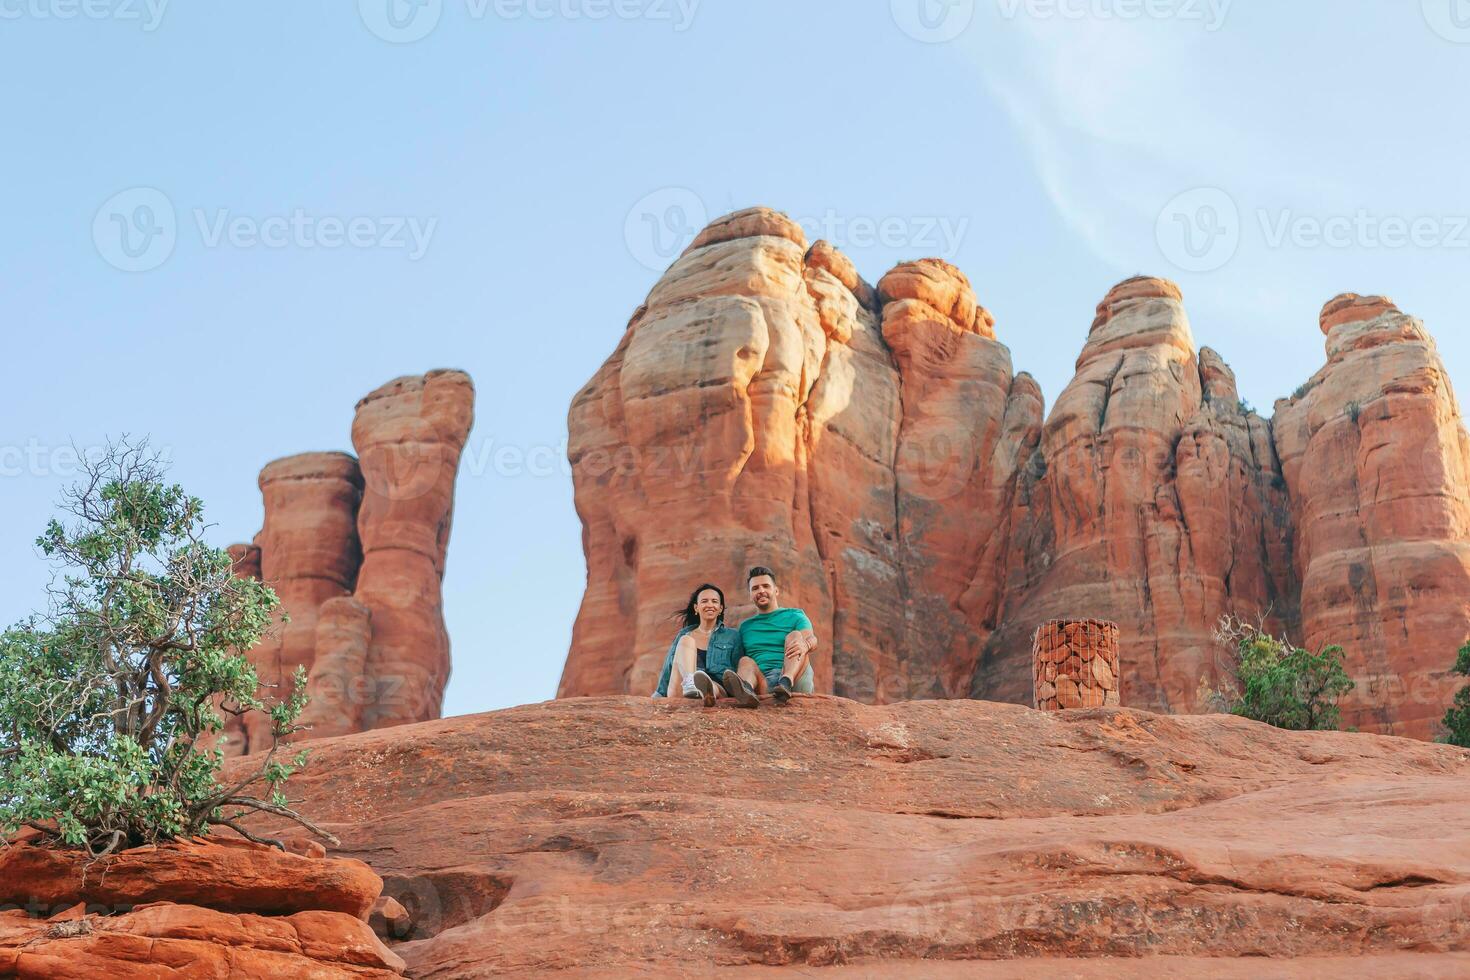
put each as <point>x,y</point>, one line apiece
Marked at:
<point>757,572</point>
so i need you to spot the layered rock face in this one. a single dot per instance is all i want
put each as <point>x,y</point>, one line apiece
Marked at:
<point>1375,453</point>
<point>355,547</point>
<point>225,908</point>
<point>1155,503</point>
<point>930,838</point>
<point>767,406</point>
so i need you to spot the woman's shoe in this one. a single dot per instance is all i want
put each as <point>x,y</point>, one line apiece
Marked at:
<point>706,685</point>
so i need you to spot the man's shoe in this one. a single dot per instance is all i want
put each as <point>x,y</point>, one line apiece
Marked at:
<point>781,690</point>
<point>706,685</point>
<point>740,691</point>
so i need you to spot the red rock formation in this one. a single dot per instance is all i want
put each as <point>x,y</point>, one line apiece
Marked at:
<point>761,410</point>
<point>167,940</point>
<point>222,873</point>
<point>768,406</point>
<point>570,836</point>
<point>1375,454</point>
<point>368,627</point>
<point>308,553</point>
<point>967,427</point>
<point>408,435</point>
<point>226,908</point>
<point>1156,503</point>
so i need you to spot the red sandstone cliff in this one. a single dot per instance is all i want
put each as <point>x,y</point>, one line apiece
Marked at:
<point>765,406</point>
<point>1378,463</point>
<point>355,546</point>
<point>768,406</point>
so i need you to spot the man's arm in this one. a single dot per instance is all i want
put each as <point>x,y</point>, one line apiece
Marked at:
<point>801,641</point>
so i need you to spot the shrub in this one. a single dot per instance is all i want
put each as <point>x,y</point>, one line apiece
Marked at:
<point>1301,390</point>
<point>1457,718</point>
<point>111,702</point>
<point>1282,685</point>
<point>1353,410</point>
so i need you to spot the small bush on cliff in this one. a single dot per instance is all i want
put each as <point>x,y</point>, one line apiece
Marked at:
<point>1282,685</point>
<point>1457,719</point>
<point>110,702</point>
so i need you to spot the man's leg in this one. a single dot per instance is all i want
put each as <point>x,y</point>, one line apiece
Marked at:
<point>794,667</point>
<point>751,674</point>
<point>738,683</point>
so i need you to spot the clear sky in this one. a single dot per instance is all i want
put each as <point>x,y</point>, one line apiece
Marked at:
<point>314,197</point>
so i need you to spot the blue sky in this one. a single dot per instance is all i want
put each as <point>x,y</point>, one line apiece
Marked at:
<point>1048,147</point>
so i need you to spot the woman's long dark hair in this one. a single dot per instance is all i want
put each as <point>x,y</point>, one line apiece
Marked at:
<point>689,615</point>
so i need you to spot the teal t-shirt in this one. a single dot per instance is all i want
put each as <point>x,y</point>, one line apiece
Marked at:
<point>764,636</point>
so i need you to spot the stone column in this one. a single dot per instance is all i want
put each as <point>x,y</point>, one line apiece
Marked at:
<point>1076,664</point>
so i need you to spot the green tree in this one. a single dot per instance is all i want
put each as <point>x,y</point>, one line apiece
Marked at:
<point>112,702</point>
<point>1283,685</point>
<point>1457,719</point>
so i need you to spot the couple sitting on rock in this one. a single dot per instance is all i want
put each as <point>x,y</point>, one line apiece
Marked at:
<point>770,654</point>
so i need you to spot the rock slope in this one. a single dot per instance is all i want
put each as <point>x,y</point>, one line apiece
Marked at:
<point>621,836</point>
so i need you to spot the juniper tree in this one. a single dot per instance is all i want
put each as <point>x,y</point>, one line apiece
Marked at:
<point>112,701</point>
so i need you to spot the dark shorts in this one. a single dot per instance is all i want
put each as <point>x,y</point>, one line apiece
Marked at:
<point>804,684</point>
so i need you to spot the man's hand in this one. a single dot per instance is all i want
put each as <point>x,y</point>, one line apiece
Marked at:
<point>800,642</point>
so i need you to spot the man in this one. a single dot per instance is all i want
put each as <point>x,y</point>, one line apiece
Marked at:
<point>778,647</point>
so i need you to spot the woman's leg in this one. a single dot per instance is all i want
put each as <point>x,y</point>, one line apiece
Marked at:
<point>681,676</point>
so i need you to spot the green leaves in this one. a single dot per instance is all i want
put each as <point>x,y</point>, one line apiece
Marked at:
<point>1289,687</point>
<point>1457,718</point>
<point>110,701</point>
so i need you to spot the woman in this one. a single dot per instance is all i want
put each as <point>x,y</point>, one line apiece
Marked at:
<point>704,649</point>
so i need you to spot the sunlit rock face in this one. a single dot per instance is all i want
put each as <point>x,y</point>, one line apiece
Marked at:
<point>875,446</point>
<point>1375,453</point>
<point>768,407</point>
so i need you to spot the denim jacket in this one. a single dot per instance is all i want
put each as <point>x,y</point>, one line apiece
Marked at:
<point>725,651</point>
